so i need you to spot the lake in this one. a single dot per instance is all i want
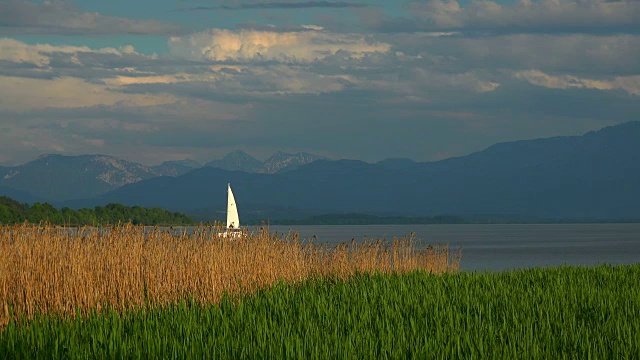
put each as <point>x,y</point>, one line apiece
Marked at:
<point>491,247</point>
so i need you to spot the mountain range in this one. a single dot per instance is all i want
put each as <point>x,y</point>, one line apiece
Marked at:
<point>595,175</point>
<point>58,178</point>
<point>280,161</point>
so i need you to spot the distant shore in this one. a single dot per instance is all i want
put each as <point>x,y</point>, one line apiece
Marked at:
<point>365,219</point>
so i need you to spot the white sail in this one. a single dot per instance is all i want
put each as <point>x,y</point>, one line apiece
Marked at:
<point>233,220</point>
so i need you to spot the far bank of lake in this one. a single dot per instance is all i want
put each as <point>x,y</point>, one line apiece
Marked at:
<point>495,247</point>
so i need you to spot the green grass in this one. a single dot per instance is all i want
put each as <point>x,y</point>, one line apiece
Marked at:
<point>566,312</point>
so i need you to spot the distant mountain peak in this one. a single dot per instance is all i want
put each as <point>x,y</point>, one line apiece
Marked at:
<point>176,167</point>
<point>572,177</point>
<point>47,156</point>
<point>237,160</point>
<point>61,177</point>
<point>238,153</point>
<point>282,161</point>
<point>279,161</point>
<point>241,156</point>
<point>90,157</point>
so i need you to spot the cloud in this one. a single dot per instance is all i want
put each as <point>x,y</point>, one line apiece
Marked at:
<point>630,84</point>
<point>412,89</point>
<point>422,85</point>
<point>51,76</point>
<point>40,54</point>
<point>148,132</point>
<point>19,17</point>
<point>112,74</point>
<point>245,65</point>
<point>578,54</point>
<point>278,5</point>
<point>252,45</point>
<point>523,16</point>
<point>22,94</point>
<point>45,61</point>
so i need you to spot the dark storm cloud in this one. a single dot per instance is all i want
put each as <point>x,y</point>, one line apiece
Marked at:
<point>19,17</point>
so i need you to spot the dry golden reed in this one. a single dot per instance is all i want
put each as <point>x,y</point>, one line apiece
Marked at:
<point>47,269</point>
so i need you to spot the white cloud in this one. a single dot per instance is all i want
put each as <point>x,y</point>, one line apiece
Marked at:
<point>423,85</point>
<point>282,79</point>
<point>630,84</point>
<point>253,45</point>
<point>250,82</point>
<point>40,54</point>
<point>23,94</point>
<point>18,93</point>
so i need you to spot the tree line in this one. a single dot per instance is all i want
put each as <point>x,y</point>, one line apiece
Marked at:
<point>13,212</point>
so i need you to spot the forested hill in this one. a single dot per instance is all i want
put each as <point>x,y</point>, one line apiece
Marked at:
<point>13,212</point>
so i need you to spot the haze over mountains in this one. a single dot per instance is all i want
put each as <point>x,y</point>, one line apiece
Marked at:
<point>58,178</point>
<point>591,176</point>
<point>280,161</point>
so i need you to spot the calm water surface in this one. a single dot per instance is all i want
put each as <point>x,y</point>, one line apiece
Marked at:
<point>499,247</point>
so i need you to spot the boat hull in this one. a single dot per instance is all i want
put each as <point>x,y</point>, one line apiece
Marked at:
<point>232,234</point>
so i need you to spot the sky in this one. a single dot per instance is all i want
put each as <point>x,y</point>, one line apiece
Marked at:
<point>156,80</point>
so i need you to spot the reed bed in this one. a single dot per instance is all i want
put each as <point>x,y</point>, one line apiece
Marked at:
<point>46,269</point>
<point>551,313</point>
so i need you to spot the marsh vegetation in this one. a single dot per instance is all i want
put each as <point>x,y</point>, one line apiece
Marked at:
<point>135,292</point>
<point>55,270</point>
<point>553,313</point>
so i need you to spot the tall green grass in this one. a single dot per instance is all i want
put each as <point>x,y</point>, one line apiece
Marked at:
<point>566,312</point>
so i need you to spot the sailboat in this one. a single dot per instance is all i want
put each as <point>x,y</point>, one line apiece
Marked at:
<point>233,229</point>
